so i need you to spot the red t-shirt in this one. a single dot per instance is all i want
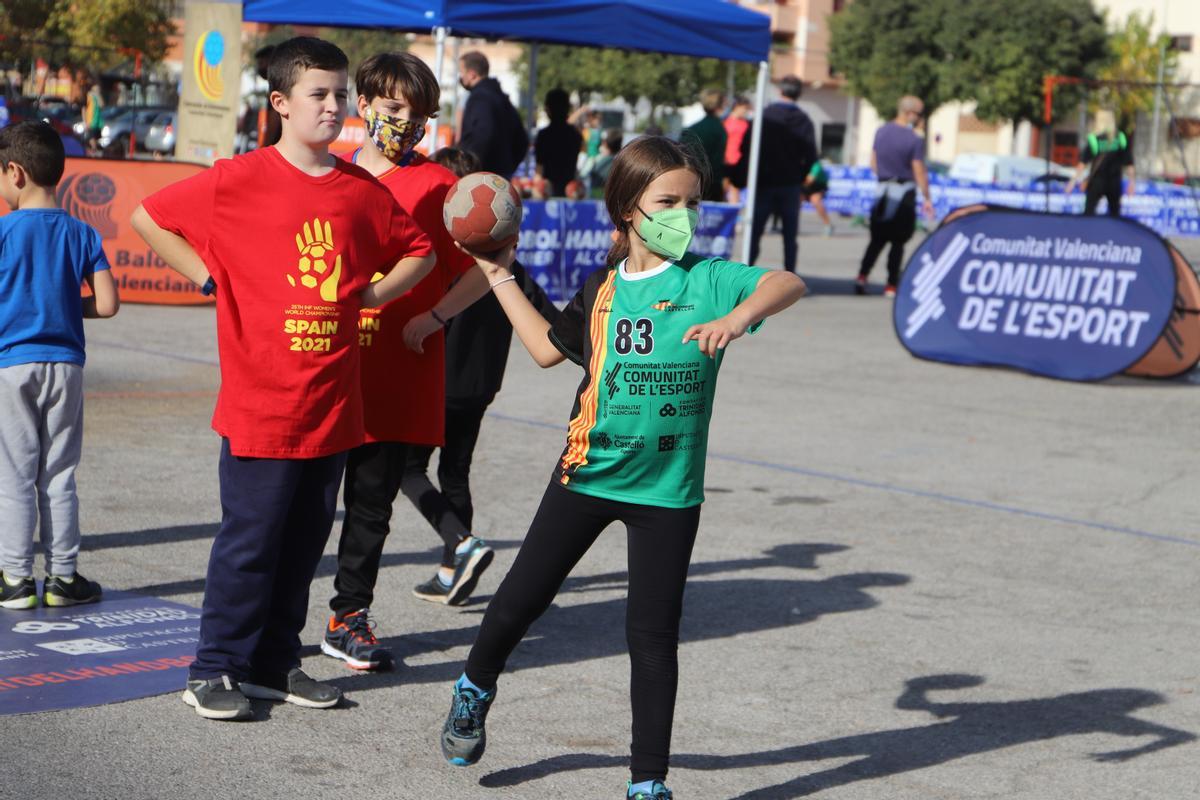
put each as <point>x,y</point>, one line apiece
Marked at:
<point>735,130</point>
<point>290,254</point>
<point>404,393</point>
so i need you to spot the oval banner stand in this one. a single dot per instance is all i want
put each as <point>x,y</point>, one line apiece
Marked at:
<point>1064,296</point>
<point>1178,349</point>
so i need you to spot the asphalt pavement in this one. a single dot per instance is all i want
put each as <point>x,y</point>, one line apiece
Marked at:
<point>912,581</point>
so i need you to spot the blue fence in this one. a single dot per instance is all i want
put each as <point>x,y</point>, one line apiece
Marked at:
<point>1168,209</point>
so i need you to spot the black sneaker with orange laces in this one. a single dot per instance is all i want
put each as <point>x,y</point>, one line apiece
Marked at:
<point>352,639</point>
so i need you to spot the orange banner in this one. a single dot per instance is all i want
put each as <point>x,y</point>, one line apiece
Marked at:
<point>103,193</point>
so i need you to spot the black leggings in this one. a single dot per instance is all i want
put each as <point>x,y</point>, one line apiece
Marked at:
<point>660,546</point>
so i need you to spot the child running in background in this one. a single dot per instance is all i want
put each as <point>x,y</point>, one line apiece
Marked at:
<point>664,315</point>
<point>477,345</point>
<point>816,183</point>
<point>45,256</point>
<point>403,369</point>
<point>289,238</point>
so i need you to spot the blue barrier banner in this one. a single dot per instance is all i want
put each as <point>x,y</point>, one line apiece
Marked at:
<point>564,241</point>
<point>125,647</point>
<point>1079,298</point>
<point>1168,209</point>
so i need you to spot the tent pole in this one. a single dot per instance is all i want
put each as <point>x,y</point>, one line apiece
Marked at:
<point>531,104</point>
<point>439,54</point>
<point>760,98</point>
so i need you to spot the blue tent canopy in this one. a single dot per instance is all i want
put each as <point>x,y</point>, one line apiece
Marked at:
<point>701,28</point>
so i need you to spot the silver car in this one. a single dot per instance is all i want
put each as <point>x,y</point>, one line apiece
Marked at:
<point>160,137</point>
<point>134,121</point>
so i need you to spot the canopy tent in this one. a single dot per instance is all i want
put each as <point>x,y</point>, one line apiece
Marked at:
<point>698,28</point>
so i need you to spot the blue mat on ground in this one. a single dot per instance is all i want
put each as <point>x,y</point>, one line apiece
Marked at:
<point>125,647</point>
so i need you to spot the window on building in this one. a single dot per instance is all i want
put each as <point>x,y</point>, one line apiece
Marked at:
<point>1181,44</point>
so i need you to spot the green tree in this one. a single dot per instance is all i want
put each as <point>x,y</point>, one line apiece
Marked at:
<point>1000,60</point>
<point>97,34</point>
<point>1134,54</point>
<point>663,79</point>
<point>890,48</point>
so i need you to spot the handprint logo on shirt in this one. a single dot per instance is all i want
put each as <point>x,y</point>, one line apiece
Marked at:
<point>315,245</point>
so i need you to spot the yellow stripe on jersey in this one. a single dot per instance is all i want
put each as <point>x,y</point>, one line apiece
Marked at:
<point>578,432</point>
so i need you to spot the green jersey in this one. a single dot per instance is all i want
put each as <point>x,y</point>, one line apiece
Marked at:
<point>639,428</point>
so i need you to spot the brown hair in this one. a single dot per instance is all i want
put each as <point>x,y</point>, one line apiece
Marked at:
<point>460,162</point>
<point>37,148</point>
<point>401,76</point>
<point>476,62</point>
<point>633,169</point>
<point>298,54</point>
<point>711,100</point>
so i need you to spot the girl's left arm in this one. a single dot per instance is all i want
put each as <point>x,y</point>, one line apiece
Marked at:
<point>774,292</point>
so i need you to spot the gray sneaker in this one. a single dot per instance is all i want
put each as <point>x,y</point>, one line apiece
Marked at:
<point>295,688</point>
<point>463,736</point>
<point>217,698</point>
<point>468,567</point>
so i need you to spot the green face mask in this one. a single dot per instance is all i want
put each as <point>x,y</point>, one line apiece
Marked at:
<point>668,232</point>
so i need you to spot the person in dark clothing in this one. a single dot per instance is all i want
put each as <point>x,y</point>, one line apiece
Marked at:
<point>477,344</point>
<point>1108,154</point>
<point>558,144</point>
<point>789,149</point>
<point>898,160</point>
<point>709,136</point>
<point>491,127</point>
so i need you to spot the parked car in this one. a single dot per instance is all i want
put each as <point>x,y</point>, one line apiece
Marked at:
<point>129,121</point>
<point>160,137</point>
<point>58,113</point>
<point>996,169</point>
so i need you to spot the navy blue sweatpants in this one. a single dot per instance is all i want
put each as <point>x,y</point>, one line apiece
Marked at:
<point>276,515</point>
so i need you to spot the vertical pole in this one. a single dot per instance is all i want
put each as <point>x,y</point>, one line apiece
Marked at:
<point>1154,126</point>
<point>439,54</point>
<point>531,105</point>
<point>760,100</point>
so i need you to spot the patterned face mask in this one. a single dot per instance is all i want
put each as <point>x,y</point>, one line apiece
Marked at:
<point>395,137</point>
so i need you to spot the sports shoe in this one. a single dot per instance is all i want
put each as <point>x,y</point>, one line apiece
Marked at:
<point>829,229</point>
<point>468,567</point>
<point>17,592</point>
<point>295,688</point>
<point>657,792</point>
<point>432,590</point>
<point>217,698</point>
<point>463,736</point>
<point>860,284</point>
<point>72,590</point>
<point>352,640</point>
<point>889,292</point>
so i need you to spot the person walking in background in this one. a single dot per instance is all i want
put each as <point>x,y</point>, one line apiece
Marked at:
<point>557,145</point>
<point>491,127</point>
<point>93,113</point>
<point>898,161</point>
<point>45,255</point>
<point>1106,155</point>
<point>736,124</point>
<point>815,186</point>
<point>789,148</point>
<point>597,174</point>
<point>709,136</point>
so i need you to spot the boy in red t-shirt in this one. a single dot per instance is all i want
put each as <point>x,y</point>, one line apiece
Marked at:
<point>288,237</point>
<point>403,369</point>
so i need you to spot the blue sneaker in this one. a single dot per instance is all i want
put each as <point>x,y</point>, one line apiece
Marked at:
<point>463,736</point>
<point>468,567</point>
<point>657,792</point>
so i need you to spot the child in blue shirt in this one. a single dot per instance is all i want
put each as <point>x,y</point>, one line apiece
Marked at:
<point>45,257</point>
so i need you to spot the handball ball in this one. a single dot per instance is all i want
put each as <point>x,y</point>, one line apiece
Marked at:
<point>483,212</point>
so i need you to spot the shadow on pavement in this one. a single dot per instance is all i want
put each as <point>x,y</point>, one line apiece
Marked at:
<point>713,609</point>
<point>962,730</point>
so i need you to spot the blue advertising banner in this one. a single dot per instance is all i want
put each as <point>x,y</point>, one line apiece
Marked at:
<point>1168,209</point>
<point>564,241</point>
<point>125,647</point>
<point>1079,298</point>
